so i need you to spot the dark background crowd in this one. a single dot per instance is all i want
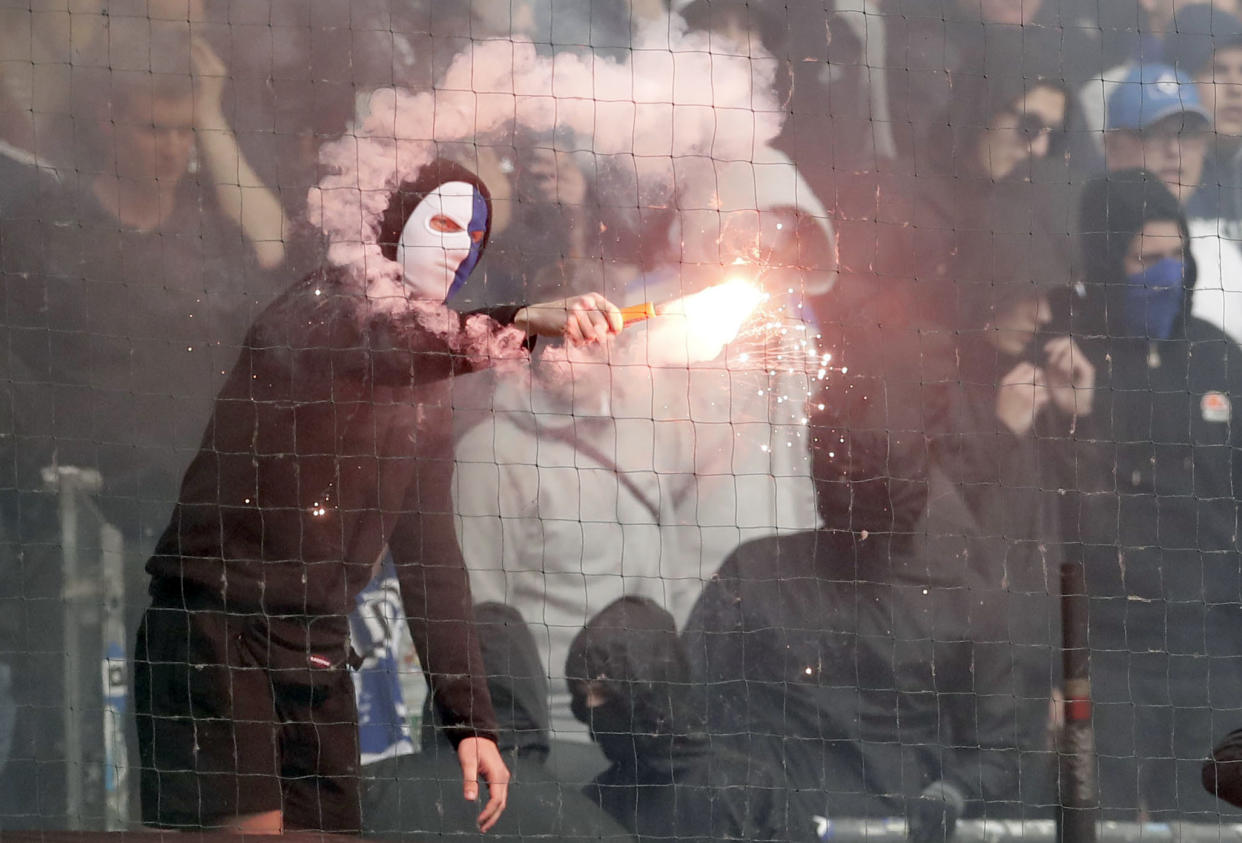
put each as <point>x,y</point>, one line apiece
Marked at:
<point>713,604</point>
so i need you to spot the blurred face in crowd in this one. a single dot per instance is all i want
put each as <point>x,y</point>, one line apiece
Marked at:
<point>1172,148</point>
<point>153,138</point>
<point>1017,322</point>
<point>549,175</point>
<point>1021,131</point>
<point>1220,89</point>
<point>1015,12</point>
<point>1160,13</point>
<point>1156,241</point>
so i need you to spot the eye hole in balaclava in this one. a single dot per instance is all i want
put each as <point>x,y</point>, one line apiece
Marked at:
<point>437,227</point>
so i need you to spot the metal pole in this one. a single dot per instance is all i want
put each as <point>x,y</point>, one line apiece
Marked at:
<point>1078,805</point>
<point>115,679</point>
<point>68,483</point>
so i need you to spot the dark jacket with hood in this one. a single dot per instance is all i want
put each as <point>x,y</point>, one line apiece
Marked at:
<point>631,685</point>
<point>419,796</point>
<point>330,439</point>
<point>907,642</point>
<point>1155,516</point>
<point>949,215</point>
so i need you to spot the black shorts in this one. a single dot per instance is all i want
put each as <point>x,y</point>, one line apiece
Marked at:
<point>245,714</point>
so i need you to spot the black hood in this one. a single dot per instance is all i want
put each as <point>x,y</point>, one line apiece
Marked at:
<point>1115,207</point>
<point>516,680</point>
<point>410,194</point>
<point>977,97</point>
<point>631,663</point>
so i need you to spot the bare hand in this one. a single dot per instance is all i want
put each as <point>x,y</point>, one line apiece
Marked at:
<point>479,757</point>
<point>210,73</point>
<point>1070,377</point>
<point>1020,397</point>
<point>580,319</point>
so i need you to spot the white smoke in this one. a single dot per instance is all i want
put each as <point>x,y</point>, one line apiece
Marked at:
<point>673,106</point>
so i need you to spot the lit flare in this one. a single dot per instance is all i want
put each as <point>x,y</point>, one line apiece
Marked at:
<point>715,315</point>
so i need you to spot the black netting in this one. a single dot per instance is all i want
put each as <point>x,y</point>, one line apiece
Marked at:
<point>739,420</point>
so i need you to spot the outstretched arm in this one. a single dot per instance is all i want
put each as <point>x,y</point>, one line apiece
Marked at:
<point>580,319</point>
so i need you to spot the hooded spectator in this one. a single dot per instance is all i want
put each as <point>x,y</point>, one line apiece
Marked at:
<point>900,659</point>
<point>1152,512</point>
<point>416,796</point>
<point>631,685</point>
<point>980,163</point>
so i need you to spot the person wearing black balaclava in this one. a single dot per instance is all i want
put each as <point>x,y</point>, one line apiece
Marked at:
<point>630,682</point>
<point>1153,512</point>
<point>900,660</point>
<point>413,796</point>
<point>327,442</point>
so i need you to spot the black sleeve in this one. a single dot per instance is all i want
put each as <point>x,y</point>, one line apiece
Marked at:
<point>435,588</point>
<point>323,328</point>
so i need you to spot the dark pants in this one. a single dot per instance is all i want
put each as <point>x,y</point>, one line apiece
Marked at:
<point>244,714</point>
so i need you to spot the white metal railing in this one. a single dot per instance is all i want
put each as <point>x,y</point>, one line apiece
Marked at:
<point>92,603</point>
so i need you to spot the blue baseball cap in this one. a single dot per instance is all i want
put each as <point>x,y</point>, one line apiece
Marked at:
<point>1148,94</point>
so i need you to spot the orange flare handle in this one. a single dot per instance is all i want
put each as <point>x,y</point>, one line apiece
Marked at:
<point>638,312</point>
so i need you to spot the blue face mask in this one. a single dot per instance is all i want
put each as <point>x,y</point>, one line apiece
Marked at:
<point>1153,299</point>
<point>476,228</point>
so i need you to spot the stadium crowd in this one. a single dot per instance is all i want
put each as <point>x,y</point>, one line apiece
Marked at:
<point>713,599</point>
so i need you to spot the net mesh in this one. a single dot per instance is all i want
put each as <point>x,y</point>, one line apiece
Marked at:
<point>733,420</point>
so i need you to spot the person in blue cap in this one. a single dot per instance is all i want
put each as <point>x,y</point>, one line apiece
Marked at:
<point>1155,120</point>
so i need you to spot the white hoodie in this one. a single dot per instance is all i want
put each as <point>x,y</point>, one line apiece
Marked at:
<point>598,478</point>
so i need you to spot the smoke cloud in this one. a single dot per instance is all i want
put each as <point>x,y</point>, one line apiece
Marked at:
<point>679,112</point>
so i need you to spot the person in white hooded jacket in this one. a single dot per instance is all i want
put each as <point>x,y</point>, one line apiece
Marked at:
<point>631,470</point>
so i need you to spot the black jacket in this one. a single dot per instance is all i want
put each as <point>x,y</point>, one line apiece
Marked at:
<point>667,780</point>
<point>330,439</point>
<point>1153,516</point>
<point>909,641</point>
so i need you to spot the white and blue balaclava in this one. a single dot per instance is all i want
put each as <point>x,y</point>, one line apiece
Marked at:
<point>437,228</point>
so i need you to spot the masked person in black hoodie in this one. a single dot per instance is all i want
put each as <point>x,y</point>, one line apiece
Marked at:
<point>329,440</point>
<point>414,795</point>
<point>899,661</point>
<point>1154,512</point>
<point>631,686</point>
